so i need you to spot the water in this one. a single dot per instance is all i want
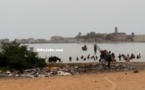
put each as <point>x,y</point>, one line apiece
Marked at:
<point>74,50</point>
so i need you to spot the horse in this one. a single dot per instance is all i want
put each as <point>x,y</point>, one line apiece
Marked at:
<point>54,59</point>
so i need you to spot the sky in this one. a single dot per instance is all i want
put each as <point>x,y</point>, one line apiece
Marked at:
<point>46,18</point>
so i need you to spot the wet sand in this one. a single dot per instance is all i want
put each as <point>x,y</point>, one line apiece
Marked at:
<point>99,81</point>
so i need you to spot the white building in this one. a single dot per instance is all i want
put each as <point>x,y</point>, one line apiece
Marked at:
<point>70,39</point>
<point>4,40</point>
<point>139,38</point>
<point>56,38</point>
<point>32,40</point>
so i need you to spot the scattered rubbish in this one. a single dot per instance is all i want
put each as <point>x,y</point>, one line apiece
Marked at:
<point>72,70</point>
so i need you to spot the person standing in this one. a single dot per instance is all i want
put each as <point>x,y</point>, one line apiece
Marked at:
<point>70,58</point>
<point>127,58</point>
<point>109,58</point>
<point>95,49</point>
<point>119,57</point>
<point>102,59</point>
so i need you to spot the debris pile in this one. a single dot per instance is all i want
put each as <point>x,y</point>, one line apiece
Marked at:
<point>72,70</point>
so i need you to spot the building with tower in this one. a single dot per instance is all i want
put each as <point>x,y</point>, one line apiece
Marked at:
<point>118,36</point>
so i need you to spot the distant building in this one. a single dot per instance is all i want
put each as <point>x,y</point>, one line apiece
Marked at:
<point>32,40</point>
<point>4,40</point>
<point>41,41</point>
<point>57,39</point>
<point>130,37</point>
<point>18,40</point>
<point>101,38</point>
<point>70,39</point>
<point>24,41</point>
<point>81,40</point>
<point>121,36</point>
<point>139,38</point>
<point>118,36</point>
<point>91,39</point>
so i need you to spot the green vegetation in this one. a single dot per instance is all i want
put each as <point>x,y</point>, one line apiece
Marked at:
<point>17,56</point>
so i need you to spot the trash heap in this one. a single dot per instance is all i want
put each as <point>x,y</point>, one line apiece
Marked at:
<point>69,70</point>
<point>37,72</point>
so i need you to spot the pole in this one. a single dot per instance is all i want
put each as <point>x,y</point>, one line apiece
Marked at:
<point>98,48</point>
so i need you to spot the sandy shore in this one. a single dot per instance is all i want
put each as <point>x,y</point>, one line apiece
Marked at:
<point>103,81</point>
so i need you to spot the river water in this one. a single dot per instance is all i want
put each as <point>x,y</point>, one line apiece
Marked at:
<point>75,50</point>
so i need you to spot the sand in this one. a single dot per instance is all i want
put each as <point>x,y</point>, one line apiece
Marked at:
<point>101,81</point>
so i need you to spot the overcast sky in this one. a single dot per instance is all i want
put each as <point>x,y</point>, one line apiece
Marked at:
<point>45,18</point>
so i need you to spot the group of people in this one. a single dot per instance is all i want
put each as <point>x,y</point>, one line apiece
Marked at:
<point>106,56</point>
<point>84,48</point>
<point>88,57</point>
<point>128,57</point>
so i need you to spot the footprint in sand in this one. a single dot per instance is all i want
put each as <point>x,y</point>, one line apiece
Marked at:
<point>112,83</point>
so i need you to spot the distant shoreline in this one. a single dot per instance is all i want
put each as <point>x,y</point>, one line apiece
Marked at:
<point>81,42</point>
<point>78,42</point>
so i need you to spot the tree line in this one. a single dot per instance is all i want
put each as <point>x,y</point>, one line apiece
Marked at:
<point>13,55</point>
